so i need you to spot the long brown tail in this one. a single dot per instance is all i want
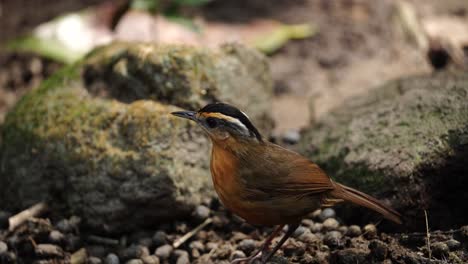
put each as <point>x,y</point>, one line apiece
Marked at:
<point>351,195</point>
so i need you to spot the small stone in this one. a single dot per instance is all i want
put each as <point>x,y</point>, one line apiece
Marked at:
<point>440,250</point>
<point>348,256</point>
<point>327,213</point>
<point>201,213</point>
<point>307,222</point>
<point>197,245</point>
<point>134,261</point>
<point>96,250</point>
<point>3,247</point>
<point>247,246</point>
<point>94,260</point>
<point>330,224</point>
<point>379,250</point>
<point>308,237</point>
<point>159,238</point>
<point>64,226</point>
<point>72,243</point>
<point>291,137</point>
<point>332,239</point>
<point>8,258</point>
<point>134,252</point>
<point>370,231</point>
<point>316,214</point>
<point>211,245</point>
<point>453,244</point>
<point>343,229</point>
<point>316,228</point>
<point>112,258</point>
<point>299,231</point>
<point>146,242</point>
<point>48,251</point>
<point>150,259</point>
<point>56,237</point>
<point>354,231</point>
<point>163,252</point>
<point>182,256</point>
<point>4,219</point>
<point>237,254</point>
<point>464,233</point>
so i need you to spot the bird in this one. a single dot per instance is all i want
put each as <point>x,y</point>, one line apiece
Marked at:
<point>266,184</point>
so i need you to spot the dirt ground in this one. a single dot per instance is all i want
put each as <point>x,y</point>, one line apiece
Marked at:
<point>357,48</point>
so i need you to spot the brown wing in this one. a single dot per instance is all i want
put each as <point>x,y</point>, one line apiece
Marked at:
<point>288,173</point>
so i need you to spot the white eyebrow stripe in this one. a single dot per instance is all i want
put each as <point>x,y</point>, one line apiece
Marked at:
<point>236,121</point>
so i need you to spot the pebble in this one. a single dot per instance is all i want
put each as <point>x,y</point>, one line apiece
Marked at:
<point>201,213</point>
<point>3,247</point>
<point>330,224</point>
<point>182,256</point>
<point>150,259</point>
<point>353,231</point>
<point>307,222</point>
<point>8,257</point>
<point>343,229</point>
<point>96,250</point>
<point>64,226</point>
<point>308,237</point>
<point>56,236</point>
<point>135,261</point>
<point>316,228</point>
<point>327,213</point>
<point>379,250</point>
<point>236,255</point>
<point>370,231</point>
<point>299,231</point>
<point>159,238</point>
<point>134,251</point>
<point>72,243</point>
<point>440,250</point>
<point>197,245</point>
<point>332,239</point>
<point>464,233</point>
<point>247,246</point>
<point>48,251</point>
<point>4,217</point>
<point>94,260</point>
<point>291,137</point>
<point>453,244</point>
<point>112,258</point>
<point>316,214</point>
<point>211,245</point>
<point>146,242</point>
<point>163,252</point>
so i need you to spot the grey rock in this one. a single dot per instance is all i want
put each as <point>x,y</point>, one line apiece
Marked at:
<point>348,256</point>
<point>327,213</point>
<point>163,252</point>
<point>159,238</point>
<point>299,231</point>
<point>197,245</point>
<point>182,256</point>
<point>398,142</point>
<point>332,239</point>
<point>440,250</point>
<point>134,251</point>
<point>64,226</point>
<point>354,231</point>
<point>112,258</point>
<point>96,250</point>
<point>317,227</point>
<point>98,125</point>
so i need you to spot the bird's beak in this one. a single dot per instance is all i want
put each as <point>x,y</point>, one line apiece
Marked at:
<point>191,115</point>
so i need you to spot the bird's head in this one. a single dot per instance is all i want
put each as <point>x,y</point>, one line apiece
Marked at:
<point>223,123</point>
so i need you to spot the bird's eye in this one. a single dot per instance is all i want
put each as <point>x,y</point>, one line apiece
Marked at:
<point>211,122</point>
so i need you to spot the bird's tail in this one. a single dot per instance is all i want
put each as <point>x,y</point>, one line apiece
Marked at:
<point>351,195</point>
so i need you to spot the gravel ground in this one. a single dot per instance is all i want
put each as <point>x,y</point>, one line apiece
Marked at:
<point>322,238</point>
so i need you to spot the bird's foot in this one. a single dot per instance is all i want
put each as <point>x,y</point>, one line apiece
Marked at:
<point>251,259</point>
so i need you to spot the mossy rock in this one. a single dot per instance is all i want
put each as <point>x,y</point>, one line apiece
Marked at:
<point>97,139</point>
<point>406,142</point>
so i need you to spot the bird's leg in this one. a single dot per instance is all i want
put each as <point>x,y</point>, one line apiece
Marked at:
<point>291,229</point>
<point>263,250</point>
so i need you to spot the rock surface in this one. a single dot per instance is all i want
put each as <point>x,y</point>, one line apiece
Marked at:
<point>97,138</point>
<point>406,142</point>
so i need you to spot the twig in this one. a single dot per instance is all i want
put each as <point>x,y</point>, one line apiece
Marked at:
<point>428,235</point>
<point>20,218</point>
<point>103,240</point>
<point>79,257</point>
<point>187,236</point>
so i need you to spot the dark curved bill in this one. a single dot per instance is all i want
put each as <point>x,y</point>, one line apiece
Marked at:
<point>191,115</point>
